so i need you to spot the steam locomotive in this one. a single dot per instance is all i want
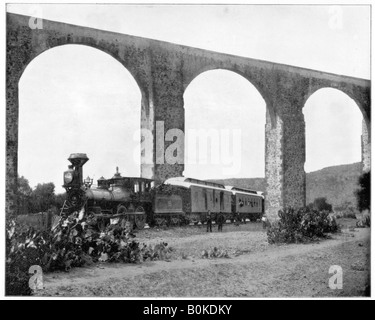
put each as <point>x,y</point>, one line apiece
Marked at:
<point>138,201</point>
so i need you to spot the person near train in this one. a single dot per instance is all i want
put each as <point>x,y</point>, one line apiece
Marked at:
<point>209,221</point>
<point>220,222</point>
<point>237,219</point>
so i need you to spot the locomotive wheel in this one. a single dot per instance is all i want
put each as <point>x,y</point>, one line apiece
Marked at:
<point>75,199</point>
<point>121,209</point>
<point>140,221</point>
<point>140,217</point>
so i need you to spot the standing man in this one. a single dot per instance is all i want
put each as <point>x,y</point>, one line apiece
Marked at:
<point>220,222</point>
<point>209,221</point>
<point>238,219</point>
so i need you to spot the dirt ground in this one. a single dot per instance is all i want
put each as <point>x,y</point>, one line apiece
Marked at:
<point>253,268</point>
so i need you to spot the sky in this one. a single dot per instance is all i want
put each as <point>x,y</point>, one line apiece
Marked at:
<point>78,99</point>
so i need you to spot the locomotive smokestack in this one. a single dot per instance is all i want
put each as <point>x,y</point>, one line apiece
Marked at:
<point>78,160</point>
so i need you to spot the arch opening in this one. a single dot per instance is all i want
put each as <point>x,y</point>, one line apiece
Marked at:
<point>76,98</point>
<point>225,117</point>
<point>333,141</point>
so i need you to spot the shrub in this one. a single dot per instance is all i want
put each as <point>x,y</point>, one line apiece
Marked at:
<point>321,204</point>
<point>301,225</point>
<point>364,219</point>
<point>363,194</point>
<point>346,210</point>
<point>74,242</point>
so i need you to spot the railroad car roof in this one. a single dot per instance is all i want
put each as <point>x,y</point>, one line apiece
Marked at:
<point>126,178</point>
<point>189,182</point>
<point>244,191</point>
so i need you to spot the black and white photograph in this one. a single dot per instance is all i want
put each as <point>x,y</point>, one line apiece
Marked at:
<point>217,151</point>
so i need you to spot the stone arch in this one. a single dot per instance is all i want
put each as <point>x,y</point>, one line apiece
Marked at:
<point>259,86</point>
<point>83,91</point>
<point>23,46</point>
<point>360,97</point>
<point>362,102</point>
<point>253,99</point>
<point>103,49</point>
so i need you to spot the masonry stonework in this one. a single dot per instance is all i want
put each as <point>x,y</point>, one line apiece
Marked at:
<point>163,71</point>
<point>366,147</point>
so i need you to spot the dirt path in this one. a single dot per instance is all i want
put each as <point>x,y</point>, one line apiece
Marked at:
<point>254,269</point>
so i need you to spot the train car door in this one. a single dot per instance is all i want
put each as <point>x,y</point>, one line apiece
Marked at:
<point>194,199</point>
<point>214,202</point>
<point>210,200</point>
<point>205,199</point>
<point>221,201</point>
<point>227,202</point>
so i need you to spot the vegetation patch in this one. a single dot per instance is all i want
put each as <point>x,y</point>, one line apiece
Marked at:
<point>74,242</point>
<point>301,225</point>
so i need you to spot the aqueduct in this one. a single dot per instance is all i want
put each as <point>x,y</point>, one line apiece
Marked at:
<point>163,71</point>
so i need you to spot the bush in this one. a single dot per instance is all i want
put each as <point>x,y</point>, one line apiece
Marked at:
<point>364,220</point>
<point>363,194</point>
<point>321,204</point>
<point>74,242</point>
<point>301,225</point>
<point>346,210</point>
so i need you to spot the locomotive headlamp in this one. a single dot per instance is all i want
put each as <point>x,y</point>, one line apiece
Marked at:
<point>68,177</point>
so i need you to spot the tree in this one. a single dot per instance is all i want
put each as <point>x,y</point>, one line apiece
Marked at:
<point>43,197</point>
<point>321,204</point>
<point>59,201</point>
<point>24,193</point>
<point>363,194</point>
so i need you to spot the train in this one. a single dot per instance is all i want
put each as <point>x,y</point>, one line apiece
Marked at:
<point>139,201</point>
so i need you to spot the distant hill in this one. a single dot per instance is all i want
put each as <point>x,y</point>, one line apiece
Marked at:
<point>336,183</point>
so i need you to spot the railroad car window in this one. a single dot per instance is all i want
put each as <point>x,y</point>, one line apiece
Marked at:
<point>136,187</point>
